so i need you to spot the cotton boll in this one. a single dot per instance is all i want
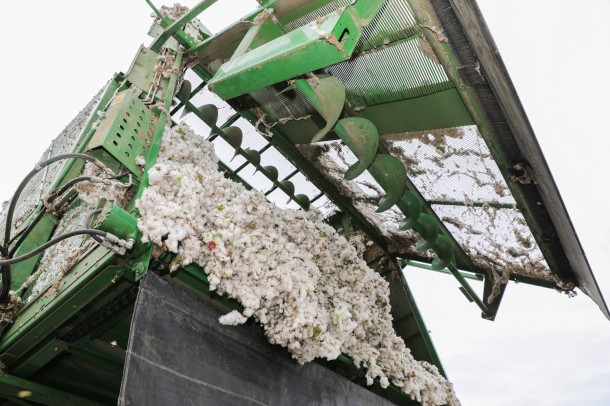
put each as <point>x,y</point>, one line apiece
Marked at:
<point>305,284</point>
<point>232,319</point>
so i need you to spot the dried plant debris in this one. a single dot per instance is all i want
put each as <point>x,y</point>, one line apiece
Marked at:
<point>9,309</point>
<point>452,169</point>
<point>58,260</point>
<point>499,241</point>
<point>174,12</point>
<point>301,280</point>
<point>450,164</point>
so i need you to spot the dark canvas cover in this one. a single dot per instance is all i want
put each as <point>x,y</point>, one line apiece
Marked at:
<point>179,354</point>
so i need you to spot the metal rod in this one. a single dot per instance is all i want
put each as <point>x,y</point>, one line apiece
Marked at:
<point>423,265</point>
<point>290,175</point>
<point>316,198</point>
<point>247,41</point>
<point>469,291</point>
<point>260,152</point>
<point>226,124</point>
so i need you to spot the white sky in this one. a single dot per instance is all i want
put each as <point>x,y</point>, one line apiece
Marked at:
<point>543,348</point>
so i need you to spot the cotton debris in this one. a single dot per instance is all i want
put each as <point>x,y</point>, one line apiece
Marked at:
<point>301,280</point>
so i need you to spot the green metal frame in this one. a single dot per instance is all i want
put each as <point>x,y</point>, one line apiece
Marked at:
<point>311,47</point>
<point>44,333</point>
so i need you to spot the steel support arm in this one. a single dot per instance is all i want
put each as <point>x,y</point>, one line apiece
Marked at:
<point>321,43</point>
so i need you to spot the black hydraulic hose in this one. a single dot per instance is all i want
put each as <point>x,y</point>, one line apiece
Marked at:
<point>88,223</point>
<point>24,182</point>
<point>5,271</point>
<point>50,243</point>
<point>50,199</point>
<point>22,236</point>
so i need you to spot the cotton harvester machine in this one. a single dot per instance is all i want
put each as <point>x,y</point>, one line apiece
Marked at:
<point>396,119</point>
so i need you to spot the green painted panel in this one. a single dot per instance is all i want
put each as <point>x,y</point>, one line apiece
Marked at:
<point>126,131</point>
<point>439,110</point>
<point>38,236</point>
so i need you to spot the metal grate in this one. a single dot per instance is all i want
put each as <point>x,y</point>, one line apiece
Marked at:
<point>59,259</point>
<point>394,22</point>
<point>450,165</point>
<point>453,170</point>
<point>318,12</point>
<point>390,73</point>
<point>278,107</point>
<point>498,240</point>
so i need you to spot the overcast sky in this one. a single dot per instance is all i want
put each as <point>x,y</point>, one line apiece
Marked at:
<point>543,348</point>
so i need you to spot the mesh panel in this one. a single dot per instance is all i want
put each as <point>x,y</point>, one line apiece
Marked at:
<point>454,171</point>
<point>285,106</point>
<point>450,165</point>
<point>496,239</point>
<point>453,166</point>
<point>39,185</point>
<point>59,259</point>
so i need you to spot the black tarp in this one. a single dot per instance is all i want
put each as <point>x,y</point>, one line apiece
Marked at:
<point>179,354</point>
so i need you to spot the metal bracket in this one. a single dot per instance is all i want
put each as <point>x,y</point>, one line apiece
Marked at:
<point>321,43</point>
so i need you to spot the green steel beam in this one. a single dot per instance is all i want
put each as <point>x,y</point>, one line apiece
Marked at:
<point>41,357</point>
<point>173,27</point>
<point>75,291</point>
<point>422,326</point>
<point>423,265</point>
<point>324,42</point>
<point>465,286</point>
<point>41,394</point>
<point>163,119</point>
<point>480,277</point>
<point>469,292</point>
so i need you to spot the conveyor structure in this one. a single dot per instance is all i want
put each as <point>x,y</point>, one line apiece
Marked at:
<point>395,118</point>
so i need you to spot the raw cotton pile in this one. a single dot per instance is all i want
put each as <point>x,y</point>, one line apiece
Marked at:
<point>303,282</point>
